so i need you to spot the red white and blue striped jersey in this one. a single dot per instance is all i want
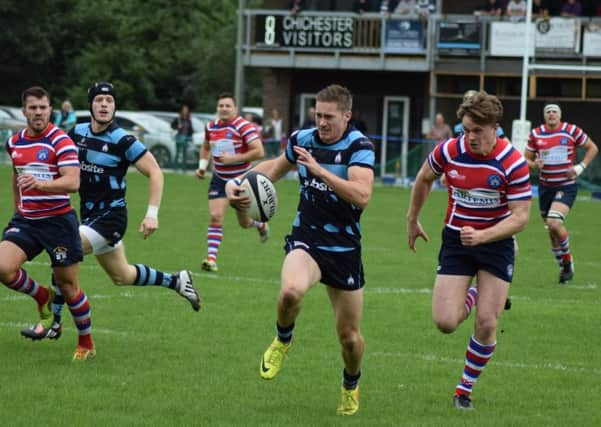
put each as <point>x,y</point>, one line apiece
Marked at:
<point>557,149</point>
<point>42,156</point>
<point>480,187</point>
<point>231,137</point>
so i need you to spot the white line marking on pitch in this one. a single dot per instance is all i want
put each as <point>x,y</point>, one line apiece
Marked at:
<point>95,330</point>
<point>553,366</point>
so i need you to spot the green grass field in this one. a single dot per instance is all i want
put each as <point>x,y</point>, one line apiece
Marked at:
<point>161,364</point>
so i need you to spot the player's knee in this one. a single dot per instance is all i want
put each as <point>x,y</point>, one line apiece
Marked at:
<point>486,324</point>
<point>350,338</point>
<point>445,326</point>
<point>446,323</point>
<point>120,279</point>
<point>290,296</point>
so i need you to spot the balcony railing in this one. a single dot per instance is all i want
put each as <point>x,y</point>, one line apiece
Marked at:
<point>373,41</point>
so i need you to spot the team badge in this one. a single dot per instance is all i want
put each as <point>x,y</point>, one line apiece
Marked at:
<point>43,154</point>
<point>229,135</point>
<point>563,141</point>
<point>494,181</point>
<point>60,253</point>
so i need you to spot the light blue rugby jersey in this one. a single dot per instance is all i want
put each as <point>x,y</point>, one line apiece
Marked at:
<point>324,220</point>
<point>104,158</point>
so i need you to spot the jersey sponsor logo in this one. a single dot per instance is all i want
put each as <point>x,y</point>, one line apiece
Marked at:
<point>510,270</point>
<point>321,186</point>
<point>494,181</point>
<point>43,154</point>
<point>338,158</point>
<point>87,167</point>
<point>477,198</point>
<point>229,135</point>
<point>40,172</point>
<point>350,281</point>
<point>105,148</point>
<point>555,155</point>
<point>16,155</point>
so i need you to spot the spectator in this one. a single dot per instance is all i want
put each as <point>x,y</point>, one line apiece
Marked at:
<point>406,7</point>
<point>440,131</point>
<point>539,9</point>
<point>310,119</point>
<point>65,118</point>
<point>273,131</point>
<point>425,7</point>
<point>251,119</point>
<point>183,125</point>
<point>571,8</point>
<point>491,8</point>
<point>296,6</point>
<point>362,6</point>
<point>516,10</point>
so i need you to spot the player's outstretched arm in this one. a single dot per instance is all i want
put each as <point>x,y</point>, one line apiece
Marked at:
<point>419,194</point>
<point>149,167</point>
<point>203,161</point>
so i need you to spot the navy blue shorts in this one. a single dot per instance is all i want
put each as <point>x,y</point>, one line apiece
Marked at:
<point>455,259</point>
<point>58,236</point>
<point>341,270</point>
<point>110,224</point>
<point>217,188</point>
<point>565,194</point>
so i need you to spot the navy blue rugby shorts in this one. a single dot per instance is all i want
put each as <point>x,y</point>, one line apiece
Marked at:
<point>497,258</point>
<point>58,236</point>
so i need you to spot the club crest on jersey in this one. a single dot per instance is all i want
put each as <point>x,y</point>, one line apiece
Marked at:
<point>60,253</point>
<point>494,181</point>
<point>229,135</point>
<point>563,141</point>
<point>43,154</point>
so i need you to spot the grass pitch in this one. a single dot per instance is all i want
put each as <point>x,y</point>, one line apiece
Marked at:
<point>161,364</point>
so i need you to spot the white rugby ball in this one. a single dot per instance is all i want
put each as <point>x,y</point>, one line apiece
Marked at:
<point>262,195</point>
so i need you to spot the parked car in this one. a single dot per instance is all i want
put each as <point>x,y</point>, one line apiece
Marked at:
<point>198,136</point>
<point>13,112</point>
<point>155,133</point>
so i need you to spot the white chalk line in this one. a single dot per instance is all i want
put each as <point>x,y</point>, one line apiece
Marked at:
<point>550,366</point>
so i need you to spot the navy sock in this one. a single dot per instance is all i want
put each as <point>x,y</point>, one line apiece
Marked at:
<point>350,382</point>
<point>284,333</point>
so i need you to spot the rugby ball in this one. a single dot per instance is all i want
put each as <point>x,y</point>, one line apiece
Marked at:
<point>263,198</point>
